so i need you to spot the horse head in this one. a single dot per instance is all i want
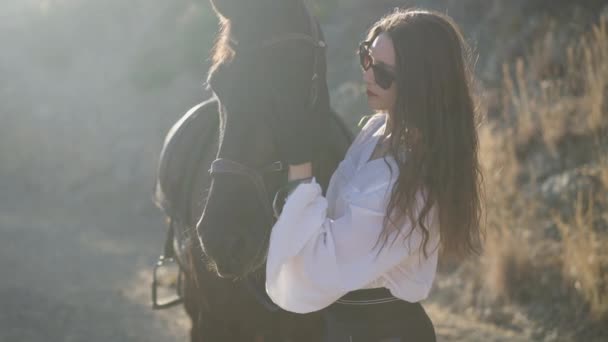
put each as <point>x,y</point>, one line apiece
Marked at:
<point>256,86</point>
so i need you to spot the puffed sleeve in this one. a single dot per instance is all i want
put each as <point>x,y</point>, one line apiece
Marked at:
<point>313,260</point>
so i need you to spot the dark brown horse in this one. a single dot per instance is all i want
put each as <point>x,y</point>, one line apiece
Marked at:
<point>227,213</point>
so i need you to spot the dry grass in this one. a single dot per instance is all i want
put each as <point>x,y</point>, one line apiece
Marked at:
<point>594,50</point>
<point>604,171</point>
<point>584,257</point>
<point>569,102</point>
<point>506,264</point>
<point>547,111</point>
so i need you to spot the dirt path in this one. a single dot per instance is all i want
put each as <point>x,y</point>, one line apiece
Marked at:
<point>456,328</point>
<point>66,277</point>
<point>71,276</point>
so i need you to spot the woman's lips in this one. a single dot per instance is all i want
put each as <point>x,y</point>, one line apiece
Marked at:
<point>370,93</point>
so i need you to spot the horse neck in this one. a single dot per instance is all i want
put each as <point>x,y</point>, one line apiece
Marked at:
<point>338,138</point>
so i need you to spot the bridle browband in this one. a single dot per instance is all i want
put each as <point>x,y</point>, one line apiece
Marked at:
<point>256,176</point>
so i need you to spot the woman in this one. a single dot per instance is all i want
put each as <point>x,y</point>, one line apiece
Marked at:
<point>407,190</point>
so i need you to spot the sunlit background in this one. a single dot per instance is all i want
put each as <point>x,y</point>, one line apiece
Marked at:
<point>88,90</point>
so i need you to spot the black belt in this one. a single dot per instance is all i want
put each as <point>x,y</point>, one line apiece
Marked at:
<point>367,297</point>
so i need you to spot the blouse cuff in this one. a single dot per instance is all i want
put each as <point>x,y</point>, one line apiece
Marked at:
<point>302,217</point>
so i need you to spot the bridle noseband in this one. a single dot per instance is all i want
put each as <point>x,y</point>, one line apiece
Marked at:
<point>227,166</point>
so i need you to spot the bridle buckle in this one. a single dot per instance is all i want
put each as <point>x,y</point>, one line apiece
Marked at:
<point>277,166</point>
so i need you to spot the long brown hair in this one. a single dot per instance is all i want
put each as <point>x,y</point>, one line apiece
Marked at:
<point>434,101</point>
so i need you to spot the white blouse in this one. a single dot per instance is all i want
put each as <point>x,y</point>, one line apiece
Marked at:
<point>321,248</point>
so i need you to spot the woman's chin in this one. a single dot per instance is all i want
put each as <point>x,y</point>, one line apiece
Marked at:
<point>374,104</point>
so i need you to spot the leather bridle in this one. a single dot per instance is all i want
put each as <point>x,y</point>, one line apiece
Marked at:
<point>256,176</point>
<point>227,166</point>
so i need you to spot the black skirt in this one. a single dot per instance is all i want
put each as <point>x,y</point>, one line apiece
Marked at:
<point>376,316</point>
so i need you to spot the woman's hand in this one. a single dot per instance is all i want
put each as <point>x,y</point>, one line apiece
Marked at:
<point>299,171</point>
<point>296,174</point>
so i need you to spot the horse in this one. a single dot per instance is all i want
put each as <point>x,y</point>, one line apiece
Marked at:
<point>220,166</point>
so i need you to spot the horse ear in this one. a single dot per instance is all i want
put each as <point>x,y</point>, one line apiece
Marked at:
<point>225,8</point>
<point>231,9</point>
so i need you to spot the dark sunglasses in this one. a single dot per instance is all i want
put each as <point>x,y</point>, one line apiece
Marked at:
<point>384,78</point>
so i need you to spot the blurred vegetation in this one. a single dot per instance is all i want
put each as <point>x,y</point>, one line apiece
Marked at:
<point>545,160</point>
<point>88,89</point>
